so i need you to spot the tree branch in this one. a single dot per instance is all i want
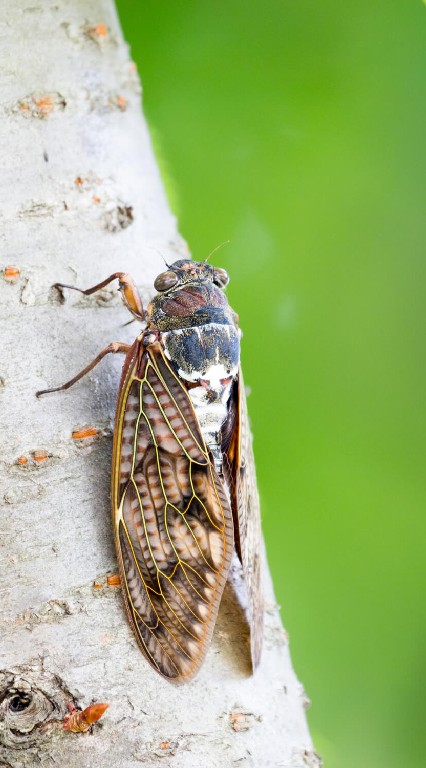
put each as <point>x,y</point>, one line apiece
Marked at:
<point>81,198</point>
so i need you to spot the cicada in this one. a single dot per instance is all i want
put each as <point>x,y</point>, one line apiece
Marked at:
<point>183,486</point>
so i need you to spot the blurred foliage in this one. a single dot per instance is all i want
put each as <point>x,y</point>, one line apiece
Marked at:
<point>297,130</point>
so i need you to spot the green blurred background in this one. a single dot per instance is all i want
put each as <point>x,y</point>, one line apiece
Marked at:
<point>297,130</point>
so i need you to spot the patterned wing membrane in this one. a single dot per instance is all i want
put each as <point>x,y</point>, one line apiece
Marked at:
<point>241,475</point>
<point>173,522</point>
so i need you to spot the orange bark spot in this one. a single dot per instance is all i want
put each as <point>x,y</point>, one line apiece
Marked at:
<point>78,181</point>
<point>40,455</point>
<point>121,102</point>
<point>97,585</point>
<point>237,721</point>
<point>96,199</point>
<point>81,434</point>
<point>22,460</point>
<point>23,106</point>
<point>45,105</point>
<point>11,273</point>
<point>101,30</point>
<point>164,745</point>
<point>114,580</point>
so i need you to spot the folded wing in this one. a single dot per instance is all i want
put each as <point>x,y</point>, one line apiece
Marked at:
<point>241,477</point>
<point>172,519</point>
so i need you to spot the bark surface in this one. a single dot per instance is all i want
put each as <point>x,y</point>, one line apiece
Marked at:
<point>80,198</point>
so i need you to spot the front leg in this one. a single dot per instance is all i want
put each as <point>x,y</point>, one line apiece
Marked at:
<point>114,348</point>
<point>127,287</point>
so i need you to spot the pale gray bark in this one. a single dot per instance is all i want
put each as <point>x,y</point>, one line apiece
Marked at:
<point>81,197</point>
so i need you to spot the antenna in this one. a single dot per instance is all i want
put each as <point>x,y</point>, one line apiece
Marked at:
<point>225,242</point>
<point>160,254</point>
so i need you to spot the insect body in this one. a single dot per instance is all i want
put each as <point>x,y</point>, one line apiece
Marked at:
<point>183,484</point>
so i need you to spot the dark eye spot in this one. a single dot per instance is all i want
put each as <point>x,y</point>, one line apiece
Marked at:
<point>165,281</point>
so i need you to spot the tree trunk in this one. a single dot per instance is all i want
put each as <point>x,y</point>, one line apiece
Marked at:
<point>81,198</point>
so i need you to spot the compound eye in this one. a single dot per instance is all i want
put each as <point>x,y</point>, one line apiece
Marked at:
<point>165,281</point>
<point>220,277</point>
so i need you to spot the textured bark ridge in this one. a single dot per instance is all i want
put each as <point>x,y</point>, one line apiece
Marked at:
<point>80,197</point>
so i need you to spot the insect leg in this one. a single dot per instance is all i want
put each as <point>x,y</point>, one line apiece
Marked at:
<point>97,287</point>
<point>114,347</point>
<point>126,285</point>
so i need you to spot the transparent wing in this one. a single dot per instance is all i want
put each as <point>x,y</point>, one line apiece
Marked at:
<point>173,522</point>
<point>241,476</point>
